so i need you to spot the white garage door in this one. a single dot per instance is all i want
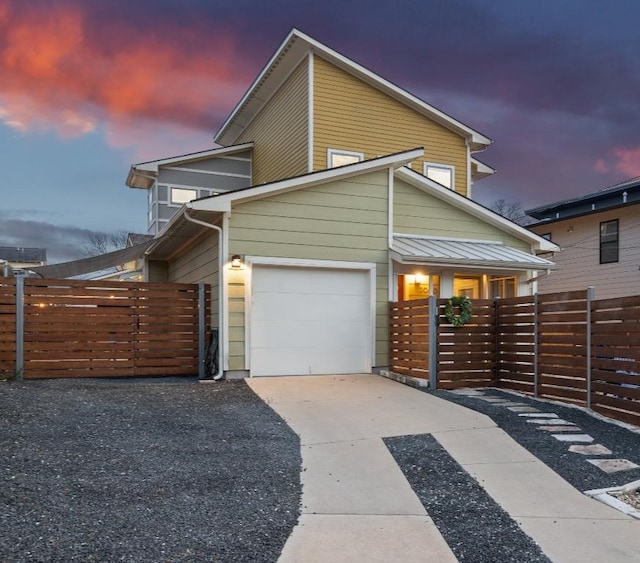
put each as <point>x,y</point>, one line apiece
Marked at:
<point>310,321</point>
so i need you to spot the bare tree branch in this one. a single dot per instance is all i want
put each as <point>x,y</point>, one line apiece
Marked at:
<point>101,243</point>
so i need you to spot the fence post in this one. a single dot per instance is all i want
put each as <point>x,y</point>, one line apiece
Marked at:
<point>590,295</point>
<point>433,342</point>
<point>19,326</point>
<point>535,344</point>
<point>202,302</point>
<point>496,345</point>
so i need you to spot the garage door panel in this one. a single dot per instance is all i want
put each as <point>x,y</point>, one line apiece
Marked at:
<point>310,321</point>
<point>298,280</point>
<point>308,307</point>
<point>303,334</point>
<point>309,361</point>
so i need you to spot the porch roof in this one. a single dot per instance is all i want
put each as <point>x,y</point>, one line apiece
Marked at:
<point>447,252</point>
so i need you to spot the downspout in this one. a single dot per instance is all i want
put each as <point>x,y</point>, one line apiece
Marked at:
<point>220,286</point>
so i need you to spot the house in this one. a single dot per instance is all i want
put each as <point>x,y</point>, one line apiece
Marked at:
<point>13,258</point>
<point>598,235</point>
<point>335,193</point>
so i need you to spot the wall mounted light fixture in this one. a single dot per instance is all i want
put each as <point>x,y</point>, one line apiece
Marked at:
<point>236,261</point>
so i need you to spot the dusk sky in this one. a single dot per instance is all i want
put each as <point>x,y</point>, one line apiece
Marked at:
<point>88,87</point>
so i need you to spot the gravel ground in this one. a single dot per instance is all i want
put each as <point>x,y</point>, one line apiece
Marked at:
<point>474,526</point>
<point>573,467</point>
<point>144,470</point>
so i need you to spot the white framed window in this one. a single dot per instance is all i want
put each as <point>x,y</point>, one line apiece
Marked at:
<point>182,195</point>
<point>441,173</point>
<point>337,157</point>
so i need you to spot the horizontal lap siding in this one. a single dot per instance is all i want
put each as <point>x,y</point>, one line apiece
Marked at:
<point>579,260</point>
<point>199,263</point>
<point>344,220</point>
<point>351,115</point>
<point>417,213</point>
<point>280,131</point>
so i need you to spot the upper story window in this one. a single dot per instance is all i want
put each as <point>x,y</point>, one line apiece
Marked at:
<point>341,158</point>
<point>441,173</point>
<point>609,242</point>
<point>183,195</point>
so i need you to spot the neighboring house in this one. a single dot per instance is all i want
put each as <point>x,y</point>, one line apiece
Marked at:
<point>353,193</point>
<point>130,270</point>
<point>14,258</point>
<point>599,239</point>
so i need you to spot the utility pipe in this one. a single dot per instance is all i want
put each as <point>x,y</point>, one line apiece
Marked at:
<point>220,285</point>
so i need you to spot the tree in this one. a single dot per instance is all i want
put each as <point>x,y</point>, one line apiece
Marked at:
<point>511,210</point>
<point>101,243</point>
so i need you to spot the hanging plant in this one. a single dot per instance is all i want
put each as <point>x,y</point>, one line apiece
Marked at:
<point>458,311</point>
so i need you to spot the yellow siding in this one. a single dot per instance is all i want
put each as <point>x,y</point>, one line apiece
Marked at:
<point>417,213</point>
<point>579,260</point>
<point>344,220</point>
<point>199,263</point>
<point>280,131</point>
<point>351,115</point>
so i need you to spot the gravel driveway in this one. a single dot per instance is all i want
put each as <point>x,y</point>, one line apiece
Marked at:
<point>144,470</point>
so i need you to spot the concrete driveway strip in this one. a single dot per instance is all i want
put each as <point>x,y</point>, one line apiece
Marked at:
<point>357,504</point>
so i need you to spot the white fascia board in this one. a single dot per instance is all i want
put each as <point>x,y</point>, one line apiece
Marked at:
<point>222,202</point>
<point>153,165</point>
<point>475,209</point>
<point>478,140</point>
<point>482,168</point>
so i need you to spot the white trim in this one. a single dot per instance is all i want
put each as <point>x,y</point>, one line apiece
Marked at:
<point>469,180</point>
<point>222,202</point>
<point>153,165</point>
<point>224,321</point>
<point>251,261</point>
<point>190,187</point>
<point>341,152</point>
<point>390,207</point>
<point>290,50</point>
<point>469,206</point>
<point>310,98</point>
<point>210,172</point>
<point>441,166</point>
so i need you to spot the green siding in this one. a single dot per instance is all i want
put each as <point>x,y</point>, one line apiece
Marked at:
<point>417,213</point>
<point>344,220</point>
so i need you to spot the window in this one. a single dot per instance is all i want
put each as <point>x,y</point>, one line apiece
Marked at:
<point>417,286</point>
<point>182,195</point>
<point>467,286</point>
<point>609,242</point>
<point>502,287</point>
<point>441,173</point>
<point>341,158</point>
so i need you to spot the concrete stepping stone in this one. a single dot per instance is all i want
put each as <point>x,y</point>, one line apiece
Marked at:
<point>492,399</point>
<point>560,428</point>
<point>470,392</point>
<point>573,437</point>
<point>510,404</point>
<point>613,465</point>
<point>593,449</point>
<point>557,421</point>
<point>523,409</point>
<point>539,414</point>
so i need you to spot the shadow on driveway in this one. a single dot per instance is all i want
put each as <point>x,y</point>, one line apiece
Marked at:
<point>144,470</point>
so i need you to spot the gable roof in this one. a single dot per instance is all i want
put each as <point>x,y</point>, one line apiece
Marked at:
<point>475,209</point>
<point>23,255</point>
<point>290,53</point>
<point>142,175</point>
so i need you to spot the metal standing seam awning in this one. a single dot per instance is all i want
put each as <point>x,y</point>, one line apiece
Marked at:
<point>456,252</point>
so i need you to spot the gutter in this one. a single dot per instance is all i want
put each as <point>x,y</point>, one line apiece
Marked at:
<point>220,288</point>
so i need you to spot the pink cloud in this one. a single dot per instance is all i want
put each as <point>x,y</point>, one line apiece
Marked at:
<point>601,166</point>
<point>628,160</point>
<point>58,74</point>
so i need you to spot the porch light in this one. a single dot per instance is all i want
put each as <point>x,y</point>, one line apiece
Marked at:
<point>236,261</point>
<point>420,279</point>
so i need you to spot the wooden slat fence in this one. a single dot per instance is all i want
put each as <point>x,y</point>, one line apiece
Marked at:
<point>515,343</point>
<point>76,328</point>
<point>561,346</point>
<point>615,362</point>
<point>7,326</point>
<point>409,337</point>
<point>467,354</point>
